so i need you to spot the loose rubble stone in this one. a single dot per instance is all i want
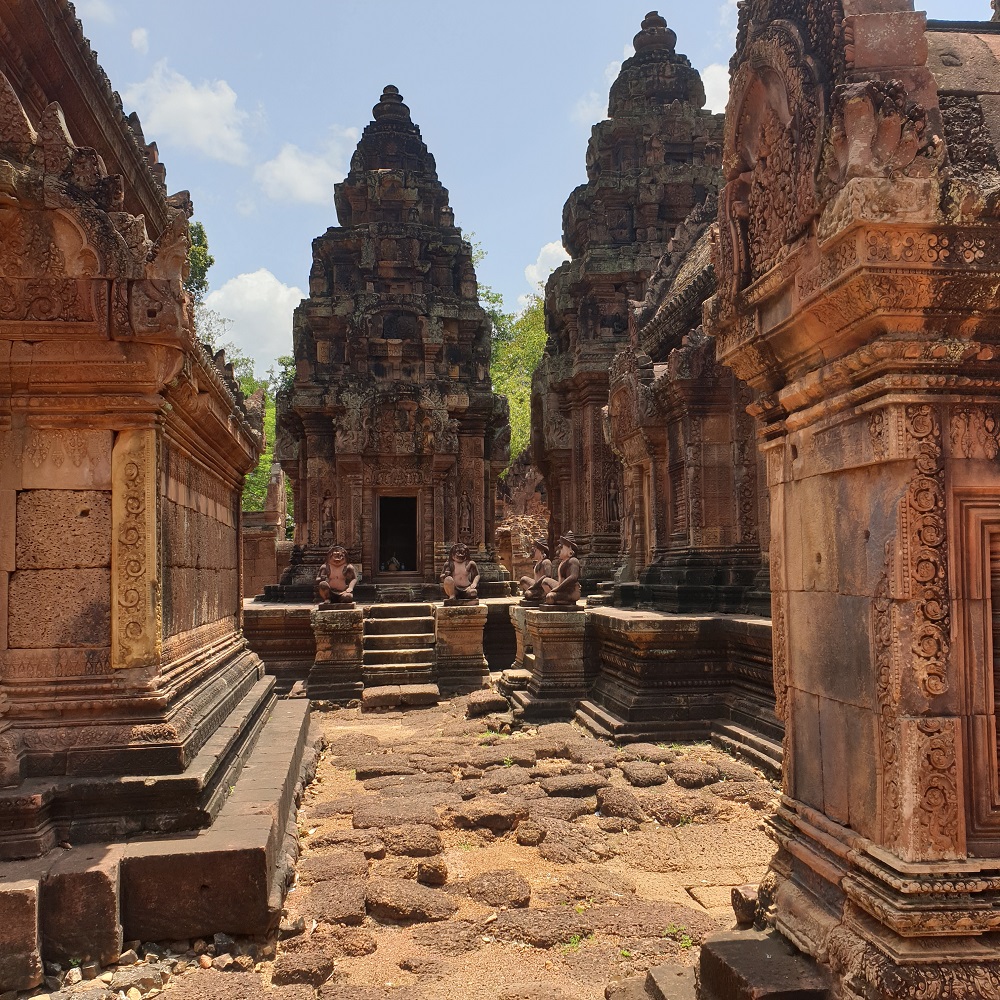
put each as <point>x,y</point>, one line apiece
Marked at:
<point>500,888</point>
<point>501,779</point>
<point>621,803</point>
<point>617,824</point>
<point>542,928</point>
<point>366,841</point>
<point>380,815</point>
<point>575,785</point>
<point>339,901</point>
<point>563,808</point>
<point>382,765</point>
<point>694,773</point>
<point>413,840</point>
<point>457,937</point>
<point>649,752</point>
<point>643,774</point>
<point>144,977</point>
<point>530,833</point>
<point>570,843</point>
<point>304,959</point>
<point>484,702</point>
<point>402,900</point>
<point>432,871</point>
<point>494,814</point>
<point>745,904</point>
<point>330,865</point>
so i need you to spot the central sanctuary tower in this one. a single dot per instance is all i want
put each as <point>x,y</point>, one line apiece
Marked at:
<point>391,434</point>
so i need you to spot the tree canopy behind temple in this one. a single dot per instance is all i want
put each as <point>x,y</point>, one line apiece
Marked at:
<point>515,357</point>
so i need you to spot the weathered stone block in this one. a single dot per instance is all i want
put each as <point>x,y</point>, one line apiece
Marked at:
<point>8,527</point>
<point>50,608</point>
<point>461,663</point>
<point>61,460</point>
<point>58,529</point>
<point>80,913</point>
<point>20,959</point>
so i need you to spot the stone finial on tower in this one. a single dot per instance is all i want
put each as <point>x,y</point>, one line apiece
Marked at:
<point>391,106</point>
<point>654,34</point>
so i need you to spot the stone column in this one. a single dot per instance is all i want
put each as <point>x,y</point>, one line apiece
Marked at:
<point>559,669</point>
<point>337,672</point>
<point>460,666</point>
<point>863,309</point>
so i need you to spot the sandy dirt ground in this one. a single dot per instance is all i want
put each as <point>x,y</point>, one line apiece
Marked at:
<point>443,859</point>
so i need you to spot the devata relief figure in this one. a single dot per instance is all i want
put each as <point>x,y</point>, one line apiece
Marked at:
<point>337,577</point>
<point>531,586</point>
<point>565,589</point>
<point>460,578</point>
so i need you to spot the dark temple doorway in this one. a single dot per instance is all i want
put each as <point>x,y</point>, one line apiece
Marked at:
<point>397,535</point>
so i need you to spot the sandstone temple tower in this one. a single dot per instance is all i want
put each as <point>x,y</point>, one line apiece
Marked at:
<point>391,435</point>
<point>654,159</point>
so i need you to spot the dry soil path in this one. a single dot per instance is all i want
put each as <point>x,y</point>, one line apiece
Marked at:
<point>442,860</point>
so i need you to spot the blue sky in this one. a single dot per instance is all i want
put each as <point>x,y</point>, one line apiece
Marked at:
<point>256,108</point>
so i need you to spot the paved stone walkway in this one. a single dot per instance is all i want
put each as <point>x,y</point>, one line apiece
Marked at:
<point>442,860</point>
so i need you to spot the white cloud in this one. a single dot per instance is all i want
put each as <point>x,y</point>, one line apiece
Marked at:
<point>716,80</point>
<point>140,40</point>
<point>95,10</point>
<point>549,258</point>
<point>297,175</point>
<point>593,106</point>
<point>260,307</point>
<point>202,117</point>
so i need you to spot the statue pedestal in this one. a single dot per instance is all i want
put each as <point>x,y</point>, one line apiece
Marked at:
<point>336,674</point>
<point>554,655</point>
<point>460,663</point>
<point>516,677</point>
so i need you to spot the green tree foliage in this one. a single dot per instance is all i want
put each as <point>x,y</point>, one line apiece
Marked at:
<point>513,361</point>
<point>199,262</point>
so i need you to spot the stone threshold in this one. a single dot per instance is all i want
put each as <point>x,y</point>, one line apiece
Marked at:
<point>230,877</point>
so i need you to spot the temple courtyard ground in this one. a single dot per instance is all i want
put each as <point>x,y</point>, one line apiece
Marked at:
<point>442,858</point>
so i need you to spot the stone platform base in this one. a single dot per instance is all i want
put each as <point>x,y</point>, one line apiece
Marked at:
<point>758,965</point>
<point>84,901</point>
<point>677,677</point>
<point>282,636</point>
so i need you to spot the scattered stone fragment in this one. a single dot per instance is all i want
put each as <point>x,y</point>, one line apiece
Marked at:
<point>380,815</point>
<point>620,802</point>
<point>506,752</point>
<point>304,959</point>
<point>383,765</point>
<point>643,773</point>
<point>128,957</point>
<point>402,900</point>
<point>339,901</point>
<point>530,833</point>
<point>327,866</point>
<point>432,871</point>
<point>647,752</point>
<point>617,824</point>
<point>290,927</point>
<point>745,904</point>
<point>223,943</point>
<point>457,937</point>
<point>91,970</point>
<point>244,963</point>
<point>426,968</point>
<point>414,840</point>
<point>484,702</point>
<point>500,779</point>
<point>500,888</point>
<point>562,808</point>
<point>72,977</point>
<point>571,843</point>
<point>494,814</point>
<point>222,962</point>
<point>366,841</point>
<point>575,785</point>
<point>375,698</point>
<point>542,928</point>
<point>690,773</point>
<point>143,977</point>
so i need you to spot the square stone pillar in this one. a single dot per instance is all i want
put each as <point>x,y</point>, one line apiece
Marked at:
<point>460,664</point>
<point>516,677</point>
<point>336,674</point>
<point>557,663</point>
<point>863,309</point>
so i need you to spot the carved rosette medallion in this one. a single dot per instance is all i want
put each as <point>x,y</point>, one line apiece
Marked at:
<point>135,631</point>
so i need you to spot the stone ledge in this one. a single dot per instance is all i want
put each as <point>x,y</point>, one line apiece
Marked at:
<point>166,888</point>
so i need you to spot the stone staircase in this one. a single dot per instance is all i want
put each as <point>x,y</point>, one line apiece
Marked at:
<point>398,655</point>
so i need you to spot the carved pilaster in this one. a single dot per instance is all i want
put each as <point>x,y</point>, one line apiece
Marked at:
<point>135,573</point>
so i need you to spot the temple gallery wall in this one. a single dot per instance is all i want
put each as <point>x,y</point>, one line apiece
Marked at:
<point>762,489</point>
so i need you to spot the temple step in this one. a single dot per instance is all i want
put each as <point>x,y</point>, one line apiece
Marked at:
<point>400,626</point>
<point>752,747</point>
<point>596,720</point>
<point>408,610</point>
<point>387,695</point>
<point>390,657</point>
<point>411,673</point>
<point>395,640</point>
